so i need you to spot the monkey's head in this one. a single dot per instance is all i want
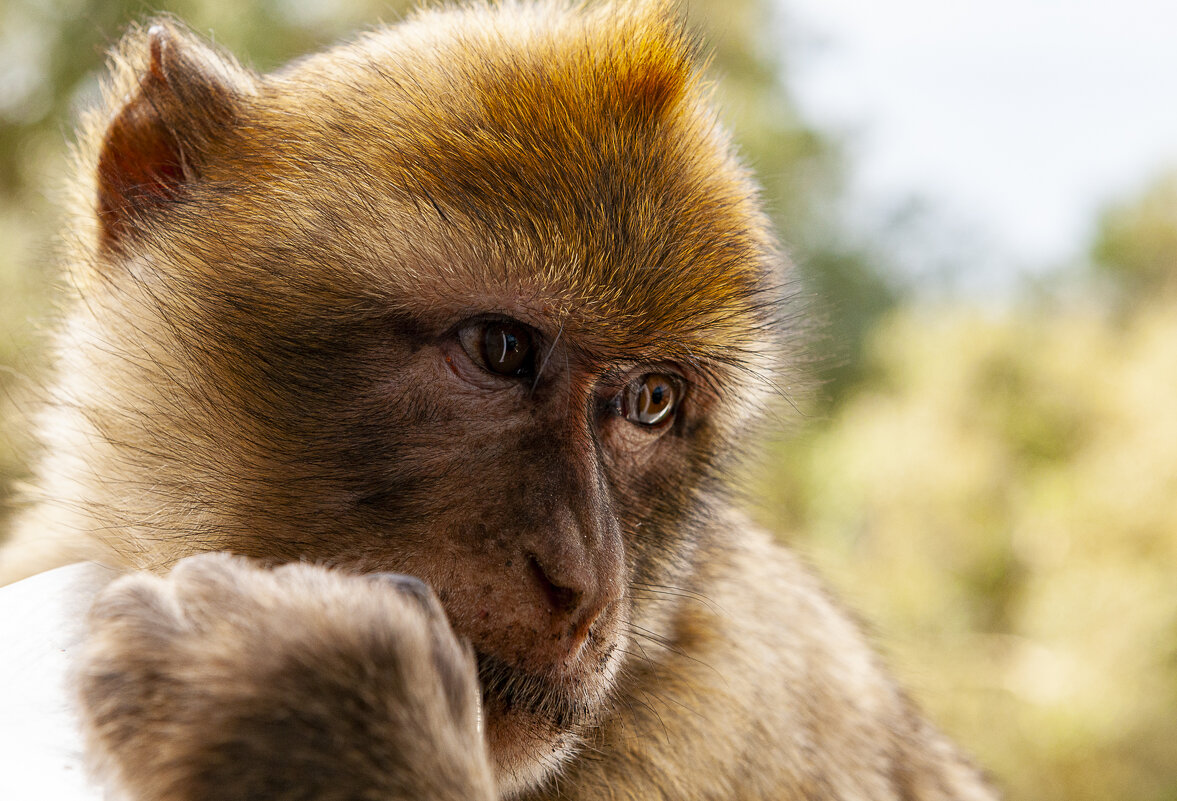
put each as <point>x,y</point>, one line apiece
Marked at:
<point>484,298</point>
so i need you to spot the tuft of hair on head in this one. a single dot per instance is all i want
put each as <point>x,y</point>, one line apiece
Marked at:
<point>661,57</point>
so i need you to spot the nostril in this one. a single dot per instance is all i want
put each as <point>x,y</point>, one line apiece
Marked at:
<point>564,600</point>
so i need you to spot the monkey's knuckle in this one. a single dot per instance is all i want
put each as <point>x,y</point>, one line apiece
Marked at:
<point>206,584</point>
<point>139,600</point>
<point>215,570</point>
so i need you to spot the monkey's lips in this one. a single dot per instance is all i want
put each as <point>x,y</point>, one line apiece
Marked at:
<point>563,702</point>
<point>533,720</point>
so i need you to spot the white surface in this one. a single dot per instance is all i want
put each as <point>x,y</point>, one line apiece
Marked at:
<point>1020,119</point>
<point>40,626</point>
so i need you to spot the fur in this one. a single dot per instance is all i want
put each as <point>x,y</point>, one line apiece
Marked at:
<point>275,279</point>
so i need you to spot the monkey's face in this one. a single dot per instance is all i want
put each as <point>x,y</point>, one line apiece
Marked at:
<point>517,481</point>
<point>488,441</point>
<point>537,467</point>
<point>488,310</point>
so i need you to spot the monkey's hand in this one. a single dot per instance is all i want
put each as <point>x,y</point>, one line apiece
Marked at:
<point>224,680</point>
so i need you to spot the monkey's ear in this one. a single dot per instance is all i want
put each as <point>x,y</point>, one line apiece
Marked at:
<point>178,98</point>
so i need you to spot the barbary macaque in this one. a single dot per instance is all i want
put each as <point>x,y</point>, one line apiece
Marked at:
<point>404,383</point>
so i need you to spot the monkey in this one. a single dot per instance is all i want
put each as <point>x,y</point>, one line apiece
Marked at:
<point>404,384</point>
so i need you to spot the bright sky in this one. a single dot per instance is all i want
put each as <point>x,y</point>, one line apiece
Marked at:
<point>1018,119</point>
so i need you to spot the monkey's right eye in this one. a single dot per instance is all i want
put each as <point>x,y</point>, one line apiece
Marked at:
<point>650,401</point>
<point>500,347</point>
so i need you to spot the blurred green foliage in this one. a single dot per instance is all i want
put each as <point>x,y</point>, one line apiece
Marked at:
<point>997,491</point>
<point>1137,242</point>
<point>1000,498</point>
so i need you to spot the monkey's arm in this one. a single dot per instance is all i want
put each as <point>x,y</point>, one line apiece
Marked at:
<point>227,681</point>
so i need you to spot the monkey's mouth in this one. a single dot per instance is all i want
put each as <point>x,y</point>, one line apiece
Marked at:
<point>559,704</point>
<point>534,723</point>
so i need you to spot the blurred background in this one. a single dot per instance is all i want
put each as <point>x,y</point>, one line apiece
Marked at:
<point>982,202</point>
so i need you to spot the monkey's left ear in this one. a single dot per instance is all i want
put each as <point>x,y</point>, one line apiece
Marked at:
<point>180,97</point>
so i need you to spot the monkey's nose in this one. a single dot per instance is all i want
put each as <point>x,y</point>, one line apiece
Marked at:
<point>575,602</point>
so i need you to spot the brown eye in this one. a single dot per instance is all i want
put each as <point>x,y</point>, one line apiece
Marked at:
<point>651,400</point>
<point>504,348</point>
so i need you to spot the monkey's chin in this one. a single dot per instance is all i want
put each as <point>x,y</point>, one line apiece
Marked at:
<point>534,724</point>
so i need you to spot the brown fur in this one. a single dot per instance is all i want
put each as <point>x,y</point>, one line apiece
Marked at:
<point>277,275</point>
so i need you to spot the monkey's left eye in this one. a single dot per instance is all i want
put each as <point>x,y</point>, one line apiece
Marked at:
<point>650,400</point>
<point>501,347</point>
